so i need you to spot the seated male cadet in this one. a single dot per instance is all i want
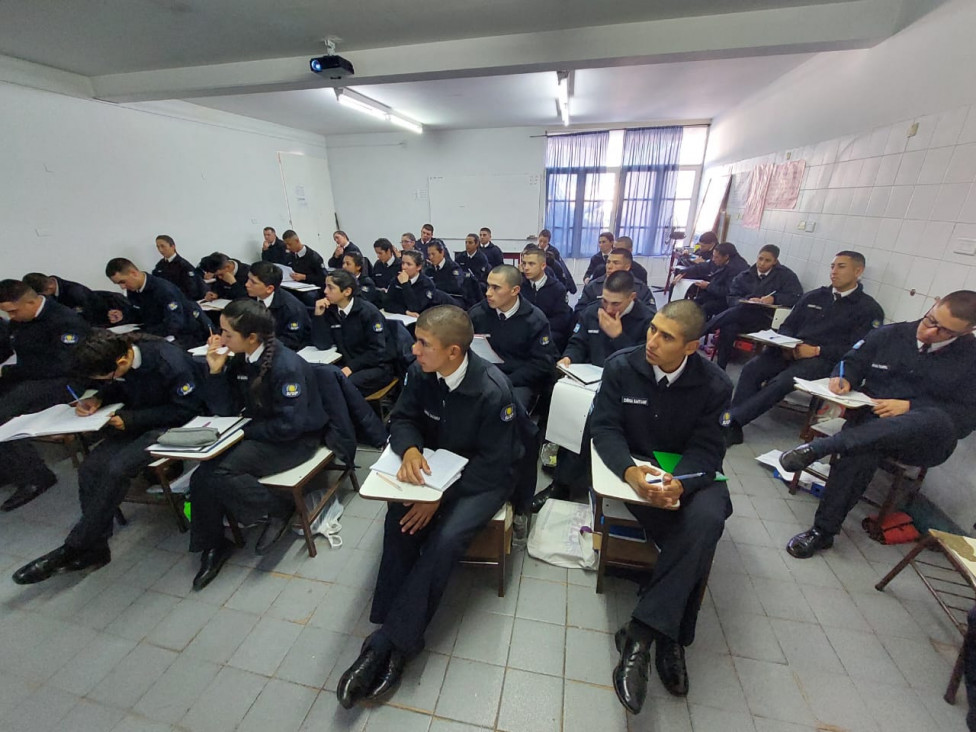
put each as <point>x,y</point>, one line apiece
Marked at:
<point>636,269</point>
<point>713,291</point>
<point>44,335</point>
<point>829,320</point>
<point>492,251</point>
<point>228,275</point>
<point>178,270</point>
<point>920,376</point>
<point>473,259</point>
<point>70,294</point>
<point>767,282</point>
<point>619,259</point>
<point>353,263</point>
<point>451,400</point>
<point>546,293</point>
<point>273,249</point>
<point>306,263</point>
<point>598,260</point>
<point>445,274</point>
<point>357,329</point>
<point>666,397</point>
<point>387,265</point>
<point>293,324</point>
<point>412,291</point>
<point>426,237</point>
<point>555,261</point>
<point>619,320</point>
<point>158,306</point>
<point>518,332</point>
<point>154,380</point>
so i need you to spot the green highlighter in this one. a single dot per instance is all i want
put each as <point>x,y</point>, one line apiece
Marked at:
<point>668,461</point>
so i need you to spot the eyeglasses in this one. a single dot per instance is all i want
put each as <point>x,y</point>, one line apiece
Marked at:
<point>929,322</point>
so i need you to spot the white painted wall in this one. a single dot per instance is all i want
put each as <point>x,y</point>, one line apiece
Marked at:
<point>901,201</point>
<point>380,180</point>
<point>84,181</point>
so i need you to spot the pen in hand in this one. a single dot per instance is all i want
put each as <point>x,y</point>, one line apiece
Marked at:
<point>74,396</point>
<point>686,476</point>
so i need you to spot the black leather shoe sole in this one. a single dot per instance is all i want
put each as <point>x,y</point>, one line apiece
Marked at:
<point>25,494</point>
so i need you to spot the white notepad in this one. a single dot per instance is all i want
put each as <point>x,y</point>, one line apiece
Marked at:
<point>57,420</point>
<point>314,355</point>
<point>773,338</point>
<point>445,467</point>
<point>820,388</point>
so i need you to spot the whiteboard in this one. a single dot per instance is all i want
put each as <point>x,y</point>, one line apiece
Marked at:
<point>509,205</point>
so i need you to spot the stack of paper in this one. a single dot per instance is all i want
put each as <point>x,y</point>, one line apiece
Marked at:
<point>314,355</point>
<point>122,329</point>
<point>445,468</point>
<point>570,406</point>
<point>57,420</point>
<point>821,388</point>
<point>288,282</point>
<point>773,338</point>
<point>584,373</point>
<point>405,319</point>
<point>481,347</point>
<point>219,304</point>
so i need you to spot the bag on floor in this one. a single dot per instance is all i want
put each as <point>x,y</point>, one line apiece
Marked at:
<point>327,524</point>
<point>897,528</point>
<point>557,536</point>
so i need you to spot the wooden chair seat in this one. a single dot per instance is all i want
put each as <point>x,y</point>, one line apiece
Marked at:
<point>375,400</point>
<point>492,545</point>
<point>616,551</point>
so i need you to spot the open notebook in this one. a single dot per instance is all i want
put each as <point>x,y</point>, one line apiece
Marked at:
<point>445,468</point>
<point>57,420</point>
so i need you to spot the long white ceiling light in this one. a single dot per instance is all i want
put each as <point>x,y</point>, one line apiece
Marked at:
<point>357,101</point>
<point>562,95</point>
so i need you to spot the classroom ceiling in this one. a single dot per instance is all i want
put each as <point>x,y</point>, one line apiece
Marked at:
<point>448,64</point>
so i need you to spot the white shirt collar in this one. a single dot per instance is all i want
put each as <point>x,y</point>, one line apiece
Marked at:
<point>171,257</point>
<point>413,280</point>
<point>268,300</point>
<point>41,308</point>
<point>454,380</point>
<point>626,311</point>
<point>933,347</point>
<point>348,308</point>
<point>673,376</point>
<point>145,282</point>
<point>844,294</point>
<point>509,313</point>
<point>234,263</point>
<point>253,357</point>
<point>441,265</point>
<point>136,357</point>
<point>538,284</point>
<point>301,252</point>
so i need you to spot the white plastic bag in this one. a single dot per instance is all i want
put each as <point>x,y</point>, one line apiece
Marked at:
<point>327,524</point>
<point>557,538</point>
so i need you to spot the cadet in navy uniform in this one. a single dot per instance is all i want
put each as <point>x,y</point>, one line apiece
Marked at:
<point>387,265</point>
<point>518,332</point>
<point>344,247</point>
<point>604,245</point>
<point>352,262</point>
<point>44,336</point>
<point>293,324</point>
<point>426,237</point>
<point>829,320</point>
<point>555,261</point>
<point>636,269</point>
<point>451,400</point>
<point>492,251</point>
<point>307,264</point>
<point>619,320</point>
<point>413,292</point>
<point>70,294</point>
<point>161,308</point>
<point>178,270</point>
<point>276,389</point>
<point>357,329</point>
<point>666,397</point>
<point>921,377</point>
<point>228,275</point>
<point>273,249</point>
<point>442,270</point>
<point>618,260</point>
<point>713,291</point>
<point>155,382</point>
<point>473,259</point>
<point>546,293</point>
<point>767,282</point>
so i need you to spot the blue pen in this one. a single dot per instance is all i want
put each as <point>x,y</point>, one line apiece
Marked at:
<point>73,395</point>
<point>676,477</point>
<point>841,372</point>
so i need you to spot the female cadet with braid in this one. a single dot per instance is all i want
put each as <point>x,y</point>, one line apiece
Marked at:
<point>276,389</point>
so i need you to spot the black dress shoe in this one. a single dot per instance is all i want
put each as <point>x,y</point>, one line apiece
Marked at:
<point>389,677</point>
<point>630,674</point>
<point>798,458</point>
<point>805,545</point>
<point>211,560</point>
<point>732,432</point>
<point>553,490</point>
<point>27,493</point>
<point>360,678</point>
<point>274,528</point>
<point>45,567</point>
<point>93,558</point>
<point>669,659</point>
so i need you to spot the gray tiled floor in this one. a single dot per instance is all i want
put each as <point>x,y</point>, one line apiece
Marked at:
<point>781,644</point>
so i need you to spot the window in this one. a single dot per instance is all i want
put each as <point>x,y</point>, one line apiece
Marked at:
<point>618,182</point>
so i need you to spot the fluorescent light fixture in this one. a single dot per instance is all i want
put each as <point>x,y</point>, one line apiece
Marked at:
<point>362,103</point>
<point>562,95</point>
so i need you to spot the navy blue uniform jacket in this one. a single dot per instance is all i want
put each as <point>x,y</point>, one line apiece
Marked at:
<point>182,274</point>
<point>311,265</point>
<point>593,291</point>
<point>780,280</point>
<point>276,253</point>
<point>293,324</point>
<point>551,300</point>
<point>834,326</point>
<point>165,311</point>
<point>477,421</point>
<point>633,415</point>
<point>524,341</point>
<point>384,275</point>
<point>45,346</point>
<point>360,336</point>
<point>415,297</point>
<point>589,344</point>
<point>888,365</point>
<point>80,299</point>
<point>477,264</point>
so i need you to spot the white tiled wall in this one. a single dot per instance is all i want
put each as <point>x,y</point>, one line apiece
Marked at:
<point>902,202</point>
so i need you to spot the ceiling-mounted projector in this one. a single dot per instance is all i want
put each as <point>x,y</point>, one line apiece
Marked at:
<point>335,67</point>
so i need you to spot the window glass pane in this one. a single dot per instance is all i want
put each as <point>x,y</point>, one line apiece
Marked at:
<point>615,149</point>
<point>685,184</point>
<point>680,216</point>
<point>693,146</point>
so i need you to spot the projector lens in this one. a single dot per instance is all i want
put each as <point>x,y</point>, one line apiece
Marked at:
<point>316,65</point>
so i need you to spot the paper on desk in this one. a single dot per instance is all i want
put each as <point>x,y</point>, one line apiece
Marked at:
<point>571,404</point>
<point>402,317</point>
<point>585,373</point>
<point>482,347</point>
<point>608,485</point>
<point>219,304</point>
<point>820,388</point>
<point>60,419</point>
<point>299,286</point>
<point>314,355</point>
<point>445,467</point>
<point>775,339</point>
<point>122,329</point>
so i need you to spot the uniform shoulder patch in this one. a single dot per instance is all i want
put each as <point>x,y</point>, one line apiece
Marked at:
<point>173,305</point>
<point>576,329</point>
<point>455,272</point>
<point>508,413</point>
<point>378,327</point>
<point>858,344</point>
<point>726,419</point>
<point>69,338</point>
<point>186,389</point>
<point>875,323</point>
<point>291,390</point>
<point>293,325</point>
<point>430,295</point>
<point>544,340</point>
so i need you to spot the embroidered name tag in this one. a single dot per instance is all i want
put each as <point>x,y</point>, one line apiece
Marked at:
<point>815,307</point>
<point>882,366</point>
<point>633,400</point>
<point>432,416</point>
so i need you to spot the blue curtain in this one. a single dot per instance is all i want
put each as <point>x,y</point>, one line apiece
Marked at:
<point>649,178</point>
<point>572,166</point>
